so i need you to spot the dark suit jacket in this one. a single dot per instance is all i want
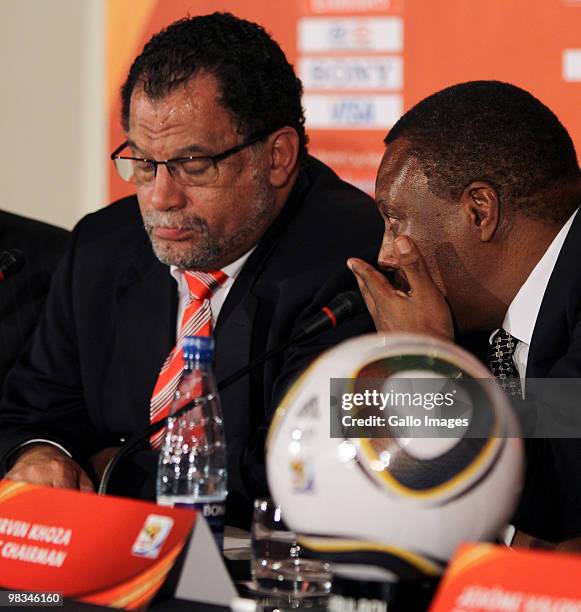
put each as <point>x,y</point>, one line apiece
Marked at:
<point>22,296</point>
<point>111,320</point>
<point>550,507</point>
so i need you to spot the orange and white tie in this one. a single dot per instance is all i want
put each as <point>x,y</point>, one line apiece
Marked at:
<point>196,321</point>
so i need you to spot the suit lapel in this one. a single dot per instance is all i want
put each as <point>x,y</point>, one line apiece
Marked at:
<point>236,325</point>
<point>558,313</point>
<point>147,310</point>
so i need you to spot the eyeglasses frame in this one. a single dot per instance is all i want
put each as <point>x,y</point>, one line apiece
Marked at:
<point>213,158</point>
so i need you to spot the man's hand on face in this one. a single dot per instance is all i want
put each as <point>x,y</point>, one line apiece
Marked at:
<point>44,464</point>
<point>423,310</point>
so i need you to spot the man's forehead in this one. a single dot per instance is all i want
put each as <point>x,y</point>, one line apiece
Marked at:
<point>183,97</point>
<point>202,87</point>
<point>398,168</point>
<point>188,113</point>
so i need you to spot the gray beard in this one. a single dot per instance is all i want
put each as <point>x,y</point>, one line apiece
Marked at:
<point>200,254</point>
<point>206,251</point>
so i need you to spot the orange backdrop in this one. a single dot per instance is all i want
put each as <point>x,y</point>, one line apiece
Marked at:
<point>363,62</point>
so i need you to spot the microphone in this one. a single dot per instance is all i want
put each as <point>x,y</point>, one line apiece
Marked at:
<point>339,309</point>
<point>11,262</point>
<point>342,307</point>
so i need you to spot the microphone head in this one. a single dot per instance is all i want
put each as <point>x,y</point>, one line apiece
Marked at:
<point>11,262</point>
<point>347,305</point>
<point>340,308</point>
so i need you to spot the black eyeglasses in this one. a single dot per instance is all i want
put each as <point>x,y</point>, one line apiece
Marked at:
<point>188,171</point>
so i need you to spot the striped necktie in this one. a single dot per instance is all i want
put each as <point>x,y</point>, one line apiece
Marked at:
<point>196,321</point>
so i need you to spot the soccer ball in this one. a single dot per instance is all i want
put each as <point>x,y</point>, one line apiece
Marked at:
<point>435,473</point>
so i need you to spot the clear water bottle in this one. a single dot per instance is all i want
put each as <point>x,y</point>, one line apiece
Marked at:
<point>192,459</point>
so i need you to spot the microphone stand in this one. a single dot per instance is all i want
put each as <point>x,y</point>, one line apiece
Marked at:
<point>344,306</point>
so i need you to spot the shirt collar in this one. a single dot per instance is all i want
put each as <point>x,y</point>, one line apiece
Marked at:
<point>231,270</point>
<point>521,316</point>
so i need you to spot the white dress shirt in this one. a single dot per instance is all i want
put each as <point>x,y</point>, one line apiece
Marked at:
<point>521,316</point>
<point>218,297</point>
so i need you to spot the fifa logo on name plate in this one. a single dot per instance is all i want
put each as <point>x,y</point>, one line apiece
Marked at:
<point>152,536</point>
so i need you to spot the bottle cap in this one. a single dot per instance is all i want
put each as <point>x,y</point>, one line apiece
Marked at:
<point>198,347</point>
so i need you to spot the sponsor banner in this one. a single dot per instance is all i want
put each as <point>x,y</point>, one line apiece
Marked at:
<point>352,112</point>
<point>437,50</point>
<point>572,65</point>
<point>103,550</point>
<point>484,577</point>
<point>355,72</point>
<point>365,183</point>
<point>355,167</point>
<point>350,6</point>
<point>318,34</point>
<point>365,160</point>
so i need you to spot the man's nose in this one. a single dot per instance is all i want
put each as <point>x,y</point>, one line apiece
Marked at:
<point>167,193</point>
<point>386,257</point>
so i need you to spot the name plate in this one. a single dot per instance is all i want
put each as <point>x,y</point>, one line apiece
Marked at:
<point>485,577</point>
<point>103,550</point>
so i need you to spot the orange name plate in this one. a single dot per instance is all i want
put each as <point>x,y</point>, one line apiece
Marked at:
<point>485,577</point>
<point>103,550</point>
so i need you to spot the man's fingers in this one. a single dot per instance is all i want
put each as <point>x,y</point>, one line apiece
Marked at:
<point>85,483</point>
<point>377,292</point>
<point>373,280</point>
<point>367,297</point>
<point>55,472</point>
<point>353,265</point>
<point>101,459</point>
<point>47,475</point>
<point>46,465</point>
<point>412,262</point>
<point>372,284</point>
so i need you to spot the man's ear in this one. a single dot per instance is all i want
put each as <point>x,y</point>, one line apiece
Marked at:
<point>481,204</point>
<point>283,154</point>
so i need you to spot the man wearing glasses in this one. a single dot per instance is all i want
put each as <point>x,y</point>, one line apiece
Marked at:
<point>246,236</point>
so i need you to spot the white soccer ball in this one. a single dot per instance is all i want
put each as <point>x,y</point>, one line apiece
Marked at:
<point>418,492</point>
